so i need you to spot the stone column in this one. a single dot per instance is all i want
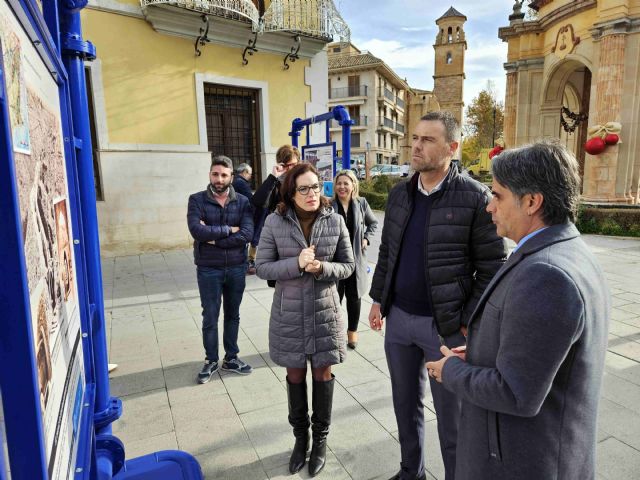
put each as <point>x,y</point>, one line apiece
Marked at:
<point>605,177</point>
<point>510,108</point>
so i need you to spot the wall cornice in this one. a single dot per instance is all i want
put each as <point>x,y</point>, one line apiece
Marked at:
<point>541,25</point>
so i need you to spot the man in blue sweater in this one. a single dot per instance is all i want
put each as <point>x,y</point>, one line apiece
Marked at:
<point>439,250</point>
<point>221,224</point>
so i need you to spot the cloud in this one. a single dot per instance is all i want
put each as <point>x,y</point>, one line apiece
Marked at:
<point>402,35</point>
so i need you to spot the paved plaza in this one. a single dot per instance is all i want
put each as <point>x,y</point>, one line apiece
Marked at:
<point>237,426</point>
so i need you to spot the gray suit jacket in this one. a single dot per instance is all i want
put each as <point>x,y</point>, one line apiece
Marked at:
<point>535,355</point>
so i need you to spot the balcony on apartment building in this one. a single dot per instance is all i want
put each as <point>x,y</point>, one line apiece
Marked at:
<point>391,126</point>
<point>360,121</point>
<point>386,95</point>
<point>236,22</point>
<point>348,92</point>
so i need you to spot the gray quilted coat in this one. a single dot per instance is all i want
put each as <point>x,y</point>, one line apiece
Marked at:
<point>305,319</point>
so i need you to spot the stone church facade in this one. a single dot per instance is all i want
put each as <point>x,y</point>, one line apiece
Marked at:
<point>572,69</point>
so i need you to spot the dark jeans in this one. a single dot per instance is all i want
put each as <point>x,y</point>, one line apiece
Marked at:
<point>410,341</point>
<point>217,285</point>
<point>349,288</point>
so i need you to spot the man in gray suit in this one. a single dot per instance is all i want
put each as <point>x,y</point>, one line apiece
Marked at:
<point>537,339</point>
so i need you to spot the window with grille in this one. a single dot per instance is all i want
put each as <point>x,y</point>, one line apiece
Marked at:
<point>233,124</point>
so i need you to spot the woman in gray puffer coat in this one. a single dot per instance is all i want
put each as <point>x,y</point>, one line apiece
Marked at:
<point>305,248</point>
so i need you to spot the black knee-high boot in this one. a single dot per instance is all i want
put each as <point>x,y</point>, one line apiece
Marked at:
<point>299,420</point>
<point>322,400</point>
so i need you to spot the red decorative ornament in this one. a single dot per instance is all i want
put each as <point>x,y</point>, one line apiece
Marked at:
<point>495,151</point>
<point>595,146</point>
<point>611,139</point>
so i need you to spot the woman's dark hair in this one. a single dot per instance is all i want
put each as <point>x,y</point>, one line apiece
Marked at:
<point>288,187</point>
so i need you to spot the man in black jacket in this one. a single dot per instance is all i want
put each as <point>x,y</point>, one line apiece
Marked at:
<point>439,250</point>
<point>242,185</point>
<point>221,224</point>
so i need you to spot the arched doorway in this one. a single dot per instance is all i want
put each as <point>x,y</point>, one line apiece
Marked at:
<point>565,106</point>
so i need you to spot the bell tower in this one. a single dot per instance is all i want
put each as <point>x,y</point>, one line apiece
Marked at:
<point>449,75</point>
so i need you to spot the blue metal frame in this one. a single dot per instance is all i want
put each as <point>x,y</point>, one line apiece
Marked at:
<point>56,34</point>
<point>338,113</point>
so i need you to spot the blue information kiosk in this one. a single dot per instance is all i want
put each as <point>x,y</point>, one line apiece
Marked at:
<point>323,156</point>
<point>54,386</point>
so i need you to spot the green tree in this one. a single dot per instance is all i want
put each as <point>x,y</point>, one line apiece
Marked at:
<point>470,150</point>
<point>479,124</point>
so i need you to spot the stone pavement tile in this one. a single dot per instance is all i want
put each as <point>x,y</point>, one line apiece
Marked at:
<point>122,331</point>
<point>617,461</point>
<point>622,367</point>
<point>621,302</point>
<point>256,316</point>
<point>144,415</point>
<point>633,297</point>
<point>626,348</point>
<point>359,441</point>
<point>147,445</point>
<point>256,391</point>
<point>375,398</point>
<point>249,353</point>
<point>162,311</point>
<point>178,352</point>
<point>169,296</point>
<point>178,328</point>
<point>332,470</point>
<point>621,315</point>
<point>624,330</point>
<point>258,334</point>
<point>619,422</point>
<point>239,461</point>
<point>126,312</point>
<point>128,299</point>
<point>621,392</point>
<point>432,455</point>
<point>630,307</point>
<point>355,371</point>
<point>133,349</point>
<point>370,346</point>
<point>270,434</point>
<point>203,427</point>
<point>382,365</point>
<point>183,387</point>
<point>135,376</point>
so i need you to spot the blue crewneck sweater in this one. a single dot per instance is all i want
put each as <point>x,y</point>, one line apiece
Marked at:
<point>411,290</point>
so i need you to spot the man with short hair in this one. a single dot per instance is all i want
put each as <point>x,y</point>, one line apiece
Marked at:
<point>221,224</point>
<point>438,252</point>
<point>242,185</point>
<point>242,180</point>
<point>538,336</point>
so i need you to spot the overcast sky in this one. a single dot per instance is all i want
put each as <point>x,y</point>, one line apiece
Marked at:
<point>402,33</point>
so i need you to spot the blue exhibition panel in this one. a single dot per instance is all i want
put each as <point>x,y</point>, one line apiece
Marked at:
<point>323,156</point>
<point>56,405</point>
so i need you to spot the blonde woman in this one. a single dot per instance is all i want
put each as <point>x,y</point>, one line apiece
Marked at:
<point>362,224</point>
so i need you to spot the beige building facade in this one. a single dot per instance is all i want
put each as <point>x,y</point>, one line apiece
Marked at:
<point>576,66</point>
<point>375,98</point>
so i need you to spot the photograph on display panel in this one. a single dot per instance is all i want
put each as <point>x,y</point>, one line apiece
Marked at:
<point>41,178</point>
<point>321,156</point>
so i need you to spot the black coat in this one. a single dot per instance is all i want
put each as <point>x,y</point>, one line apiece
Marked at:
<point>535,357</point>
<point>214,245</point>
<point>462,250</point>
<point>242,186</point>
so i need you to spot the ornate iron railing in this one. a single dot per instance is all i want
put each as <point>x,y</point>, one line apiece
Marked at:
<point>235,9</point>
<point>318,18</point>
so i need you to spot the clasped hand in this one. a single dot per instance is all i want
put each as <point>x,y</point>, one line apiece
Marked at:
<point>307,260</point>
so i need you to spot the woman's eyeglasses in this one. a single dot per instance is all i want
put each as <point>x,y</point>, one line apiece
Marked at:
<point>306,189</point>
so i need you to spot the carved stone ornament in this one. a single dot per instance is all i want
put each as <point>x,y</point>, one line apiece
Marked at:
<point>566,41</point>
